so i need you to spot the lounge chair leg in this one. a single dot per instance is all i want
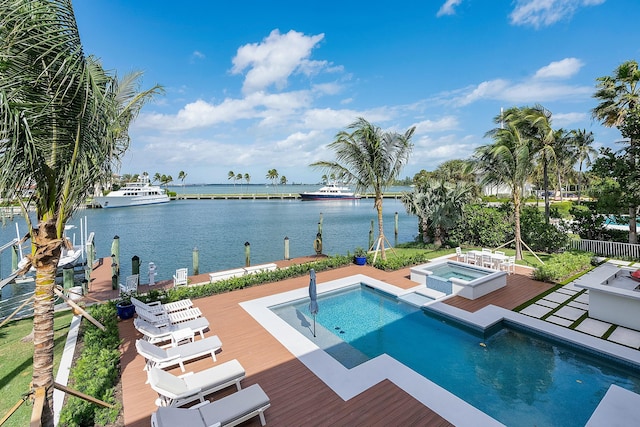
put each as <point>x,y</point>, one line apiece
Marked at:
<point>262,420</point>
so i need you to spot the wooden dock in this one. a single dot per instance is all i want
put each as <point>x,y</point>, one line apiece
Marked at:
<point>264,196</point>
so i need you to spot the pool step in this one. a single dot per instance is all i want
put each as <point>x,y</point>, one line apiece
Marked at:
<point>415,299</point>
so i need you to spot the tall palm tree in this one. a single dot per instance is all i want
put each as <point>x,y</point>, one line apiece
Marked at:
<point>507,161</point>
<point>619,97</point>
<point>64,127</point>
<point>582,142</point>
<point>370,158</point>
<point>535,123</point>
<point>232,176</point>
<point>182,176</point>
<point>273,175</point>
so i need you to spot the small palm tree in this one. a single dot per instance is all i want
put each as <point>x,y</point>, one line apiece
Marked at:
<point>371,158</point>
<point>232,176</point>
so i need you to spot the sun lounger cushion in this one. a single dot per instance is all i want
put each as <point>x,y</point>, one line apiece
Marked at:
<point>177,391</point>
<point>161,358</point>
<point>156,334</point>
<point>235,406</point>
<point>228,411</point>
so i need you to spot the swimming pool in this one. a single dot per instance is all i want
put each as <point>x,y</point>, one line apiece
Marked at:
<point>510,374</point>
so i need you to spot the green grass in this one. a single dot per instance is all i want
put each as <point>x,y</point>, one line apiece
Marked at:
<point>17,358</point>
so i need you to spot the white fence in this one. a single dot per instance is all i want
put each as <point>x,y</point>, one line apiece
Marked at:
<point>608,249</point>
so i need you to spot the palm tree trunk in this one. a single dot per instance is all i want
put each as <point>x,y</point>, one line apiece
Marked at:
<point>579,181</point>
<point>633,232</point>
<point>545,174</point>
<point>378,204</point>
<point>517,234</point>
<point>46,260</point>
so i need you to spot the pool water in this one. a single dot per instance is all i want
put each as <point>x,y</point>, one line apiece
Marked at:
<point>511,375</point>
<point>447,271</point>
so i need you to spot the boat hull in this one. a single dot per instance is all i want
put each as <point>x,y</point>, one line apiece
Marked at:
<point>308,196</point>
<point>124,201</point>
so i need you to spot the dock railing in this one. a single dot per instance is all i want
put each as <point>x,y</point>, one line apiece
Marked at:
<point>606,248</point>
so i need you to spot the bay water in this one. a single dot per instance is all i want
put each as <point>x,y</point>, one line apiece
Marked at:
<point>168,234</point>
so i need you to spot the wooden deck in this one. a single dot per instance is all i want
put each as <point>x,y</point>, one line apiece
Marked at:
<point>297,396</point>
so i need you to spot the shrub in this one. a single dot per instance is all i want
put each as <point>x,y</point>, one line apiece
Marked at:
<point>540,236</point>
<point>482,226</point>
<point>96,371</point>
<point>563,266</point>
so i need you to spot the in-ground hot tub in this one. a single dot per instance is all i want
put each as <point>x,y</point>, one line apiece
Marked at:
<point>452,277</point>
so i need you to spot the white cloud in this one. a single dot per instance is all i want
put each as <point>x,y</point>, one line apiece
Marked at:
<point>560,69</point>
<point>277,57</point>
<point>443,124</point>
<point>539,88</point>
<point>540,13</point>
<point>448,8</point>
<point>566,119</point>
<point>197,55</point>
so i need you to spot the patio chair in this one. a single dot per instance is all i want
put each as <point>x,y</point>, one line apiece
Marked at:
<point>178,391</point>
<point>158,307</point>
<point>180,278</point>
<point>158,357</point>
<point>164,319</point>
<point>486,251</point>
<point>155,334</point>
<point>472,258</point>
<point>460,256</point>
<point>487,261</point>
<point>130,284</point>
<point>226,412</point>
<point>509,265</point>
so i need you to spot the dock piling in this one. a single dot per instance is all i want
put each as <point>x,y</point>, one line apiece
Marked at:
<point>196,261</point>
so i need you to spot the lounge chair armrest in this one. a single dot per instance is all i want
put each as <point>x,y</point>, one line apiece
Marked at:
<point>185,375</point>
<point>154,303</point>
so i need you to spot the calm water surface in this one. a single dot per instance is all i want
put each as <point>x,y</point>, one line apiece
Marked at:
<point>167,234</point>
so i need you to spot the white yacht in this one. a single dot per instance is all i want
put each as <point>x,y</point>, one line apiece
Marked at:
<point>136,193</point>
<point>331,191</point>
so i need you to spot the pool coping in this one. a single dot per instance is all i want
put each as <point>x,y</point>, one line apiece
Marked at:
<point>348,383</point>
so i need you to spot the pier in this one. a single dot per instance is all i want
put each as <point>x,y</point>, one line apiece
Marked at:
<point>264,196</point>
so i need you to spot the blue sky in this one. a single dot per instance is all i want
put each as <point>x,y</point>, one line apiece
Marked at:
<point>255,85</point>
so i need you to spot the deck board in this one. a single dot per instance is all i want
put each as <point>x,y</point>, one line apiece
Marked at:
<point>297,396</point>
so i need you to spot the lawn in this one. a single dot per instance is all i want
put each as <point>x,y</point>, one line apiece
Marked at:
<point>16,366</point>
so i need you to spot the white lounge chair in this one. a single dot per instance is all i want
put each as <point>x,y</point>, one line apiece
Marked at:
<point>155,334</point>
<point>163,357</point>
<point>180,278</point>
<point>178,391</point>
<point>226,412</point>
<point>130,284</point>
<point>162,319</point>
<point>158,307</point>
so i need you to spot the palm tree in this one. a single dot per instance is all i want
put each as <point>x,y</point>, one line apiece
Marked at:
<point>619,97</point>
<point>584,152</point>
<point>247,178</point>
<point>507,161</point>
<point>157,177</point>
<point>535,123</point>
<point>182,176</point>
<point>283,180</point>
<point>372,158</point>
<point>64,126</point>
<point>273,175</point>
<point>232,176</point>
